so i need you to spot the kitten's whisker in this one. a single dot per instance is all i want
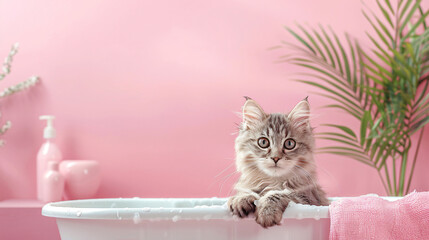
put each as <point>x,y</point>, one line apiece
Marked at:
<point>299,189</point>
<point>219,176</point>
<point>228,167</point>
<point>319,167</point>
<point>323,169</point>
<point>230,191</point>
<point>221,186</point>
<point>308,175</point>
<point>304,189</point>
<point>220,180</point>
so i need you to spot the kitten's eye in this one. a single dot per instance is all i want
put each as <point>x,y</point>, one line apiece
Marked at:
<point>289,144</point>
<point>263,142</point>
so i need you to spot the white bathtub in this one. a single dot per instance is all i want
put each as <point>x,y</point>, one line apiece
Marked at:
<point>178,218</point>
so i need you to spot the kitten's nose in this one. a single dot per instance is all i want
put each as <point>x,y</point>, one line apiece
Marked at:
<point>275,159</point>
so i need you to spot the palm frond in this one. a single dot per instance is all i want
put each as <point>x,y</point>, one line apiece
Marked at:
<point>385,88</point>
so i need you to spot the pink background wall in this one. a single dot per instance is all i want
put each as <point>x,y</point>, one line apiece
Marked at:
<point>150,90</point>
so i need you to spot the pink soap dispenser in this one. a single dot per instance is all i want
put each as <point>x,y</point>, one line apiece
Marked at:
<point>53,183</point>
<point>48,152</point>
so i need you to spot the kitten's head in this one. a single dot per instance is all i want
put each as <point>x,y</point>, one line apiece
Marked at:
<point>274,144</point>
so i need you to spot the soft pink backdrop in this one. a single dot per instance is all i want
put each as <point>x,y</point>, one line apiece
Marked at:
<point>150,90</point>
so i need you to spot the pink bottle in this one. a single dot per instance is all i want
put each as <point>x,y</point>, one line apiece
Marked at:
<point>53,183</point>
<point>48,152</point>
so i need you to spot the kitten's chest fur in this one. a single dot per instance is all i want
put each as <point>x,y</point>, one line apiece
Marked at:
<point>295,184</point>
<point>301,188</point>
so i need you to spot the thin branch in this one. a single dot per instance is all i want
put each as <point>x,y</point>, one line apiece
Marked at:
<point>19,87</point>
<point>8,61</point>
<point>415,159</point>
<point>5,70</point>
<point>384,182</point>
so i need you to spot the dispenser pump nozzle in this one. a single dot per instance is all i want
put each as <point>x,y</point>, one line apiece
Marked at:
<point>49,131</point>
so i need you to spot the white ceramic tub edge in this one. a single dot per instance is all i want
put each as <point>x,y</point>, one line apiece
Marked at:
<point>179,219</point>
<point>163,209</point>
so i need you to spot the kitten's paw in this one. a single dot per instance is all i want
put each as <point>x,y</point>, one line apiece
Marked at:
<point>242,205</point>
<point>270,213</point>
<point>269,216</point>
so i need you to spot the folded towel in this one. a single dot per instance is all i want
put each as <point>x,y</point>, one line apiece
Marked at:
<point>371,217</point>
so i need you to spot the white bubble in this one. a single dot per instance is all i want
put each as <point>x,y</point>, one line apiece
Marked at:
<point>176,218</point>
<point>146,209</point>
<point>136,218</point>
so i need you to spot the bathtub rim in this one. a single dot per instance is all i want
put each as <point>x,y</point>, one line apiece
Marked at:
<point>218,211</point>
<point>201,212</point>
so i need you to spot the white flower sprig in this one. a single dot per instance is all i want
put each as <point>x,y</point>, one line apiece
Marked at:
<point>12,89</point>
<point>19,87</point>
<point>3,130</point>
<point>8,61</point>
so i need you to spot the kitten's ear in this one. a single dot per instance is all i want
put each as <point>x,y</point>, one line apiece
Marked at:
<point>300,115</point>
<point>252,113</point>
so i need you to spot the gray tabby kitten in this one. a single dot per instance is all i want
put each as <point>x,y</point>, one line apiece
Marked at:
<point>274,154</point>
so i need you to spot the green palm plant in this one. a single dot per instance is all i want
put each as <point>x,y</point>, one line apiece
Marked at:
<point>384,88</point>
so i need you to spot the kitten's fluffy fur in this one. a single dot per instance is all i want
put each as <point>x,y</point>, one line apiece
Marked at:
<point>274,175</point>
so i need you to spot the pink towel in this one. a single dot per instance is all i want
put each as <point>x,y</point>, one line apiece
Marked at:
<point>371,217</point>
